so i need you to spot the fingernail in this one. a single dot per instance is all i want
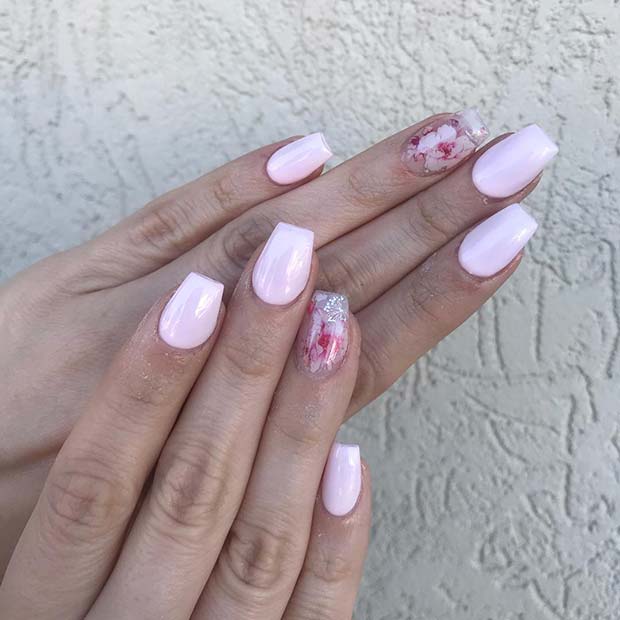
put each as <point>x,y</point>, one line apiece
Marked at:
<point>190,316</point>
<point>511,164</point>
<point>342,479</point>
<point>489,247</point>
<point>298,159</point>
<point>445,142</point>
<point>283,267</point>
<point>324,334</point>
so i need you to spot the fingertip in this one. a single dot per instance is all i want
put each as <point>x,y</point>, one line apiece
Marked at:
<point>342,479</point>
<point>297,160</point>
<point>191,315</point>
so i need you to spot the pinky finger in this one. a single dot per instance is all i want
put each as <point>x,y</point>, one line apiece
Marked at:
<point>330,578</point>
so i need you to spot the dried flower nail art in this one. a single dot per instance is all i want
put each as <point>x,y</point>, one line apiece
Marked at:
<point>323,337</point>
<point>445,142</point>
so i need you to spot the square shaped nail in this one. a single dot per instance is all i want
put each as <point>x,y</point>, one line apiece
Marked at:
<point>323,337</point>
<point>283,267</point>
<point>445,142</point>
<point>511,164</point>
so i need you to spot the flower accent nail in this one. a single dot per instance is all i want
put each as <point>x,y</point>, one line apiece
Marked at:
<point>324,336</point>
<point>445,142</point>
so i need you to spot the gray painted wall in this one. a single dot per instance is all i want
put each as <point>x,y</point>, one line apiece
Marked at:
<point>496,459</point>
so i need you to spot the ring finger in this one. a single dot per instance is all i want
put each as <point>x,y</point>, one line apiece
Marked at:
<point>264,552</point>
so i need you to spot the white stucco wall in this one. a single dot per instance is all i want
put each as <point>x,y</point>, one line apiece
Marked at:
<point>496,459</point>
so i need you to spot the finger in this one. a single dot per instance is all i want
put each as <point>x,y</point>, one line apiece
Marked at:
<point>175,222</point>
<point>265,548</point>
<point>332,571</point>
<point>434,299</point>
<point>73,535</point>
<point>204,467</point>
<point>347,196</point>
<point>373,258</point>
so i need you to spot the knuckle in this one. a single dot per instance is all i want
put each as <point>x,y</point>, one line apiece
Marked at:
<point>423,303</point>
<point>189,488</point>
<point>225,191</point>
<point>248,356</point>
<point>305,432</point>
<point>243,236</point>
<point>261,557</point>
<point>329,567</point>
<point>138,398</point>
<point>165,228</point>
<point>428,223</point>
<point>362,188</point>
<point>137,393</point>
<point>339,275</point>
<point>309,606</point>
<point>437,290</point>
<point>85,501</point>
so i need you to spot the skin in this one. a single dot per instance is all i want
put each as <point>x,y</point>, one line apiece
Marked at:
<point>386,237</point>
<point>229,525</point>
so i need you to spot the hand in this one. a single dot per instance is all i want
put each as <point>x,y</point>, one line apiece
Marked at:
<point>388,224</point>
<point>230,526</point>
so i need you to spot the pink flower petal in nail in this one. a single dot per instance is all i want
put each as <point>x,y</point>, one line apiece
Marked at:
<point>324,337</point>
<point>442,144</point>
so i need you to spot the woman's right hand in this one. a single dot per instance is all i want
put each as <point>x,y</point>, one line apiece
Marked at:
<point>237,428</point>
<point>387,223</point>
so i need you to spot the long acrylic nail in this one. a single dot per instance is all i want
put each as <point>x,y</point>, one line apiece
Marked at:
<point>442,144</point>
<point>342,479</point>
<point>323,337</point>
<point>190,316</point>
<point>492,245</point>
<point>282,270</point>
<point>511,164</point>
<point>296,160</point>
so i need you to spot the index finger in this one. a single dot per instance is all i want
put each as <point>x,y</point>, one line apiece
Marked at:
<point>178,220</point>
<point>72,538</point>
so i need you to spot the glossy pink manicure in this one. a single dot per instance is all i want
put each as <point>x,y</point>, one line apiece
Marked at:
<point>445,142</point>
<point>324,334</point>
<point>490,247</point>
<point>342,479</point>
<point>511,164</point>
<point>296,160</point>
<point>190,316</point>
<point>281,271</point>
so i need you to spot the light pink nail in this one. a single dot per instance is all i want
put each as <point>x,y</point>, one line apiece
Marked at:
<point>489,247</point>
<point>324,334</point>
<point>511,164</point>
<point>281,271</point>
<point>445,142</point>
<point>190,316</point>
<point>298,159</point>
<point>342,479</point>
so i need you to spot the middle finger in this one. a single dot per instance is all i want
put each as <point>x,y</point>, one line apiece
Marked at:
<point>264,552</point>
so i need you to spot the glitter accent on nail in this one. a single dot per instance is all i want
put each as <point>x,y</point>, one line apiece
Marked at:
<point>445,142</point>
<point>323,338</point>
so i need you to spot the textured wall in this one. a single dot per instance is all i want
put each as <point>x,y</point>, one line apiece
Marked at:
<point>497,458</point>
